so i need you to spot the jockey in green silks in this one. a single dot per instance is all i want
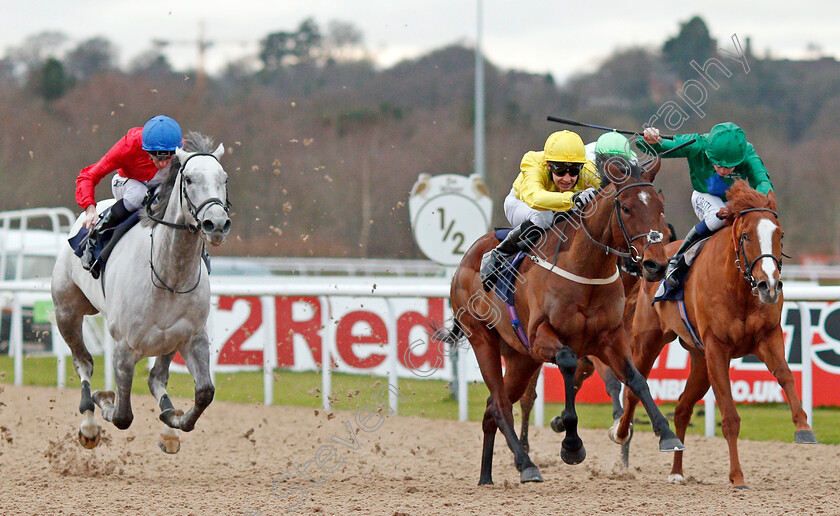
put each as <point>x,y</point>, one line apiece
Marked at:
<point>715,161</point>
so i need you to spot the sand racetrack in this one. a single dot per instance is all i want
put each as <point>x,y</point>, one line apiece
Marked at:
<point>408,466</point>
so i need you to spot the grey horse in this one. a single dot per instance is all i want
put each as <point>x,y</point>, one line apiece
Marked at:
<point>154,295</point>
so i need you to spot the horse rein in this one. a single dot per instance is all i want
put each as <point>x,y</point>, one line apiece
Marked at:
<point>740,252</point>
<point>192,228</point>
<point>653,236</point>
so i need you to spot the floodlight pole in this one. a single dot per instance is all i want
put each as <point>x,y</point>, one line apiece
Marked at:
<point>479,96</point>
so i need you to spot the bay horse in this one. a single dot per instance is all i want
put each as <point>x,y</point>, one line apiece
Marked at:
<point>733,299</point>
<point>568,307</point>
<point>154,295</point>
<point>631,275</point>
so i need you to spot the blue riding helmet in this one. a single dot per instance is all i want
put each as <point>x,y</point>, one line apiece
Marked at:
<point>161,133</point>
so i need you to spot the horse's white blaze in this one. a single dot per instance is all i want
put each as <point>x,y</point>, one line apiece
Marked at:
<point>765,241</point>
<point>644,197</point>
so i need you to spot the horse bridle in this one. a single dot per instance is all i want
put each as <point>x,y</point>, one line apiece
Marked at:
<point>740,251</point>
<point>653,236</point>
<point>193,210</point>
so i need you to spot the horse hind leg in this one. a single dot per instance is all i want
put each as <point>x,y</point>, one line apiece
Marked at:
<point>527,405</point>
<point>170,441</point>
<point>69,322</point>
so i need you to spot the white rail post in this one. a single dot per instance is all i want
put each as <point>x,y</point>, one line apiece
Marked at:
<point>709,400</point>
<point>269,348</point>
<point>60,349</point>
<point>16,336</point>
<point>807,363</point>
<point>462,381</point>
<point>326,360</point>
<point>108,357</point>
<point>391,325</point>
<point>539,403</point>
<point>214,353</point>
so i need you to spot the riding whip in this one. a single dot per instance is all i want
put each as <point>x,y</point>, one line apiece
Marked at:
<point>593,126</point>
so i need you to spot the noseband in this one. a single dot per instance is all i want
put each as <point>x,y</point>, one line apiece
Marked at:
<point>653,236</point>
<point>741,254</point>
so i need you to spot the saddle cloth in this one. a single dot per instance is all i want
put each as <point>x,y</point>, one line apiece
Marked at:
<point>108,238</point>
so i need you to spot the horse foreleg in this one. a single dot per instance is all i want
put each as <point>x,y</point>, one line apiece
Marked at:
<point>624,370</point>
<point>585,368</point>
<point>771,352</point>
<point>696,387</point>
<point>572,450</point>
<point>647,347</point>
<point>117,408</point>
<point>197,357</point>
<point>169,442</point>
<point>717,362</point>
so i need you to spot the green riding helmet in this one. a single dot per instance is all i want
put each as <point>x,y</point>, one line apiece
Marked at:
<point>614,144</point>
<point>726,145</point>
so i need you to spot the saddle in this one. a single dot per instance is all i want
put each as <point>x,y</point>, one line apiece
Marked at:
<point>108,238</point>
<point>665,292</point>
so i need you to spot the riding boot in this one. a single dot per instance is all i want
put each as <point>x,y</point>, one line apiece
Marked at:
<point>677,266</point>
<point>113,218</point>
<point>520,238</point>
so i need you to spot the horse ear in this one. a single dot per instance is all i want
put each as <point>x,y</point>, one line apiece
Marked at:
<point>651,168</point>
<point>181,154</point>
<point>220,150</point>
<point>771,197</point>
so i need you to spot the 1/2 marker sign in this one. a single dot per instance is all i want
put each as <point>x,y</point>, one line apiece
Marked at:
<point>448,213</point>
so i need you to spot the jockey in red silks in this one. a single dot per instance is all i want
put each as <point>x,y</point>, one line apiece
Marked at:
<point>142,160</point>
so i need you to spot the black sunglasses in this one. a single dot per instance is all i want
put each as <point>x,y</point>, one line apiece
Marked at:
<point>560,169</point>
<point>161,154</point>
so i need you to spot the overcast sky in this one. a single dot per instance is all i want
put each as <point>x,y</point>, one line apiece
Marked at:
<point>539,36</point>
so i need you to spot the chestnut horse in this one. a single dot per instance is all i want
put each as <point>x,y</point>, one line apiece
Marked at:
<point>733,299</point>
<point>570,306</point>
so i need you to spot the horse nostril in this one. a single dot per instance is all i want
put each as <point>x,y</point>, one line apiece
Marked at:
<point>762,286</point>
<point>652,266</point>
<point>207,226</point>
<point>226,227</point>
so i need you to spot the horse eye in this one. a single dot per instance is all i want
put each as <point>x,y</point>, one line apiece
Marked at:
<point>625,210</point>
<point>188,180</point>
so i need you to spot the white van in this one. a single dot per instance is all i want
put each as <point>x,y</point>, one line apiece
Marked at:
<point>29,243</point>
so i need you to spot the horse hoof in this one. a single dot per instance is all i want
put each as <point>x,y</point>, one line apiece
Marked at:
<point>671,444</point>
<point>573,457</point>
<point>676,478</point>
<point>172,417</point>
<point>613,433</point>
<point>531,474</point>
<point>104,398</point>
<point>557,425</point>
<point>805,437</point>
<point>90,442</point>
<point>169,444</point>
<point>485,482</point>
<point>742,486</point>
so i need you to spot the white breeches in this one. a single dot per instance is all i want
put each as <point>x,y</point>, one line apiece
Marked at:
<point>706,207</point>
<point>517,212</point>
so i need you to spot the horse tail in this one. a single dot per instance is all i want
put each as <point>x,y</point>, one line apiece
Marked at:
<point>451,336</point>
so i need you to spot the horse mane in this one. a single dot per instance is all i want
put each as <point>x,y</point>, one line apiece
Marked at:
<point>193,142</point>
<point>740,197</point>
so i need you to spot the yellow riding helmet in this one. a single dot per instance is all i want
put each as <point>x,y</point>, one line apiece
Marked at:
<point>565,146</point>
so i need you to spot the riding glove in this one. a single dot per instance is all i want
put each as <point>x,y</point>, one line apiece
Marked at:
<point>584,197</point>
